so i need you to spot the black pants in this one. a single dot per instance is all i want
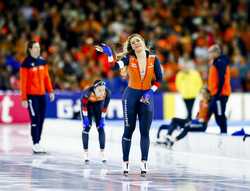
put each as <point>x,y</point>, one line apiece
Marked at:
<point>218,107</point>
<point>189,105</point>
<point>133,108</point>
<point>162,127</point>
<point>37,109</point>
<point>185,127</point>
<point>94,111</point>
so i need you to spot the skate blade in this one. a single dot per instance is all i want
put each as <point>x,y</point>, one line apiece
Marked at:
<point>39,153</point>
<point>143,173</point>
<point>120,172</point>
<point>125,173</point>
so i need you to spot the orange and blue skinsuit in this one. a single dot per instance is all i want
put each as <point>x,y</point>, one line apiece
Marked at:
<point>94,107</point>
<point>220,87</point>
<point>138,88</point>
<point>196,125</point>
<point>35,82</point>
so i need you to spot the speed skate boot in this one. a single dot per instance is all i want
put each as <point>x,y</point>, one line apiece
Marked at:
<point>103,156</point>
<point>144,168</point>
<point>159,141</point>
<point>37,149</point>
<point>86,156</point>
<point>125,167</point>
<point>169,142</point>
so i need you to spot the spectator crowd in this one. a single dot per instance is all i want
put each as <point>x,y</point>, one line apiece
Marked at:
<point>180,32</point>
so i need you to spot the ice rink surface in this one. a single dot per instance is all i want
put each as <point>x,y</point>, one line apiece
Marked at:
<point>62,168</point>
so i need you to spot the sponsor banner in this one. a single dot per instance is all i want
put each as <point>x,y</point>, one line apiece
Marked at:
<point>11,110</point>
<point>66,106</point>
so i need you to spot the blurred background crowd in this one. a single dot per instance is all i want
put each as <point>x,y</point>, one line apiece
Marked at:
<point>178,31</point>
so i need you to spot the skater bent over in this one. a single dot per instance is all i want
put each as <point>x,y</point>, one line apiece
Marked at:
<point>94,103</point>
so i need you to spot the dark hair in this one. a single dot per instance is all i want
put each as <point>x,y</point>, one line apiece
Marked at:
<point>127,47</point>
<point>29,46</point>
<point>99,83</point>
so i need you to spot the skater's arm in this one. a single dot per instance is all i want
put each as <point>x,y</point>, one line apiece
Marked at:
<point>158,75</point>
<point>120,64</point>
<point>116,64</point>
<point>106,103</point>
<point>84,101</point>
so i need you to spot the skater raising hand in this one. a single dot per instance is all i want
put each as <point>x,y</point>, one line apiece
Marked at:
<point>144,77</point>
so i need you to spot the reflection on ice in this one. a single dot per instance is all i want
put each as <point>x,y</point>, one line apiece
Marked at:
<point>63,167</point>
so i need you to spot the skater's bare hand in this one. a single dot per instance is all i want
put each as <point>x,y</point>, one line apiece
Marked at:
<point>52,97</point>
<point>25,103</point>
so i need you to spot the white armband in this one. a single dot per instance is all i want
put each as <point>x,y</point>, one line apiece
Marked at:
<point>110,58</point>
<point>103,114</point>
<point>120,63</point>
<point>154,88</point>
<point>85,113</point>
